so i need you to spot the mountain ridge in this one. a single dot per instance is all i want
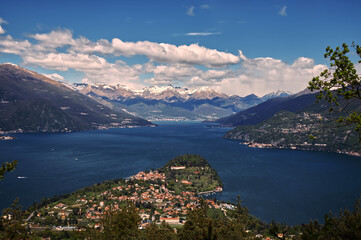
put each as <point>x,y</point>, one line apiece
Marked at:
<point>256,114</point>
<point>25,97</point>
<point>293,130</point>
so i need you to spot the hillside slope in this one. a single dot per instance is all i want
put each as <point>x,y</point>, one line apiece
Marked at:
<point>31,102</point>
<point>267,109</point>
<point>293,130</point>
<point>191,172</point>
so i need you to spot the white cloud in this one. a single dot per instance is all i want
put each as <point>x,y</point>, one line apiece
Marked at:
<point>170,74</point>
<point>185,75</point>
<point>81,55</point>
<point>190,11</point>
<point>2,21</point>
<point>212,78</point>
<point>205,6</point>
<point>95,68</point>
<point>264,75</point>
<point>202,33</point>
<point>258,75</point>
<point>167,53</point>
<point>283,11</point>
<point>9,45</point>
<point>55,77</point>
<point>64,61</point>
<point>303,62</point>
<point>161,52</point>
<point>185,65</point>
<point>358,68</point>
<point>102,46</point>
<point>55,39</point>
<point>216,75</point>
<point>242,56</point>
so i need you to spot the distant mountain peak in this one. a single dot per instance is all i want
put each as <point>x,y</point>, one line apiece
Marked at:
<point>278,93</point>
<point>305,91</point>
<point>150,92</point>
<point>251,96</point>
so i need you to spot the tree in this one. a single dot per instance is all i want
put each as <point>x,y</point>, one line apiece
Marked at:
<point>276,228</point>
<point>345,225</point>
<point>155,232</point>
<point>7,167</point>
<point>11,223</point>
<point>121,224</point>
<point>202,224</point>
<point>340,85</point>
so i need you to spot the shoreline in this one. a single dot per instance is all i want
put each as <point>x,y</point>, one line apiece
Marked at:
<point>211,192</point>
<point>20,131</point>
<point>317,148</point>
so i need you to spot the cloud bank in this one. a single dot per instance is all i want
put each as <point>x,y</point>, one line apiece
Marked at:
<point>184,65</point>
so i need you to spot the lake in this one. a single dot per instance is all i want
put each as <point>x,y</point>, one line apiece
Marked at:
<point>289,186</point>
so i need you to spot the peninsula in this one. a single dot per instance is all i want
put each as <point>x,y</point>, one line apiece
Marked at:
<point>164,195</point>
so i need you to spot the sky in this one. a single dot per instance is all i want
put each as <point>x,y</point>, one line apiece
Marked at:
<point>236,47</point>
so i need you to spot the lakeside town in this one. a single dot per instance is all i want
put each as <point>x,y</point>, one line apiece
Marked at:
<point>302,146</point>
<point>147,190</point>
<point>303,131</point>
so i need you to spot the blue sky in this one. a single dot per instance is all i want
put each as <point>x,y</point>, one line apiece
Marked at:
<point>183,43</point>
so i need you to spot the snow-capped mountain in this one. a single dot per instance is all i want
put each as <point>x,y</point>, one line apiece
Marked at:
<point>153,92</point>
<point>168,102</point>
<point>278,93</point>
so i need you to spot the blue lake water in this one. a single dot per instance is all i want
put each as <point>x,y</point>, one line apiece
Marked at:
<point>286,185</point>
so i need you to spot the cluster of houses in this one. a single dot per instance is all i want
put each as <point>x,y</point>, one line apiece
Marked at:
<point>154,202</point>
<point>149,176</point>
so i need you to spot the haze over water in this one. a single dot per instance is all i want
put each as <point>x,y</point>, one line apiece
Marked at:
<point>286,185</point>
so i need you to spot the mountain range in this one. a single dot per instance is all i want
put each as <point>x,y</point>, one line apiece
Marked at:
<point>172,103</point>
<point>30,102</point>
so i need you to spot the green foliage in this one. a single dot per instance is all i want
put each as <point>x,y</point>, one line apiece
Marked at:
<point>340,82</point>
<point>163,231</point>
<point>187,160</point>
<point>121,224</point>
<point>7,167</point>
<point>277,228</point>
<point>200,225</point>
<point>70,235</point>
<point>197,171</point>
<point>346,225</point>
<point>11,223</point>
